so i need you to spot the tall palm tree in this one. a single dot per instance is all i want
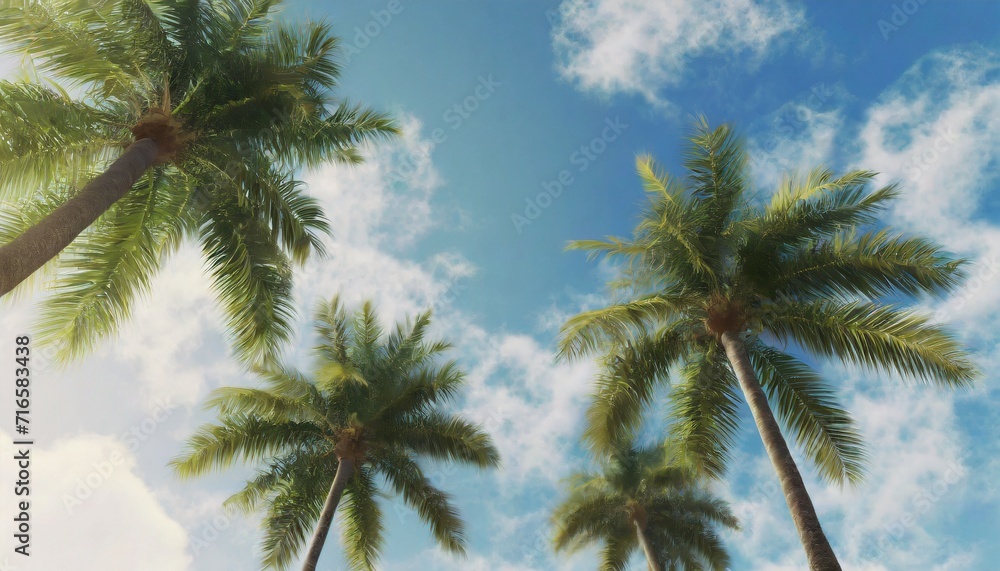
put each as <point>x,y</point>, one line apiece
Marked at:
<point>640,501</point>
<point>374,408</point>
<point>191,119</point>
<point>718,290</point>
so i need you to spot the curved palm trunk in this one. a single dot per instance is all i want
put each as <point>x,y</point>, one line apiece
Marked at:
<point>819,553</point>
<point>647,547</point>
<point>345,469</point>
<point>43,241</point>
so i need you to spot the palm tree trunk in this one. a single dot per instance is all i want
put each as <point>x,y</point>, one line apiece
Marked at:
<point>43,241</point>
<point>647,547</point>
<point>345,469</point>
<point>819,553</point>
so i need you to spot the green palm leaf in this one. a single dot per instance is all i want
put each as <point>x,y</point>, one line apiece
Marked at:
<point>362,517</point>
<point>680,517</point>
<point>250,102</point>
<point>305,429</point>
<point>433,506</point>
<point>627,385</point>
<point>106,270</point>
<point>253,280</point>
<point>49,138</point>
<point>811,270</point>
<point>705,408</point>
<point>875,336</point>
<point>808,407</point>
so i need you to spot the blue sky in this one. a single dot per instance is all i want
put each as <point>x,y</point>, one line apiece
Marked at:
<point>574,89</point>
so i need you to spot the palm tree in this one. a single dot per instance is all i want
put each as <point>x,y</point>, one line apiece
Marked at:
<point>192,119</point>
<point>719,289</point>
<point>641,501</point>
<point>373,409</point>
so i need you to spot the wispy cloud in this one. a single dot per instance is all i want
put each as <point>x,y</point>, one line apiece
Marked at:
<point>537,402</point>
<point>643,48</point>
<point>935,131</point>
<point>917,477</point>
<point>799,135</point>
<point>938,132</point>
<point>92,511</point>
<point>378,210</point>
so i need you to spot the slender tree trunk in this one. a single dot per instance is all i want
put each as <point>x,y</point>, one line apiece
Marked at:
<point>819,553</point>
<point>647,547</point>
<point>43,241</point>
<point>345,469</point>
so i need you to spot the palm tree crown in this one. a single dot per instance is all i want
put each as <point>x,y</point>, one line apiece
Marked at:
<point>720,290</point>
<point>797,272</point>
<point>234,103</point>
<point>637,493</point>
<point>375,404</point>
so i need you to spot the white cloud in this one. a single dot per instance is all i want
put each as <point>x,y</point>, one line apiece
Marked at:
<point>385,201</point>
<point>937,131</point>
<point>91,511</point>
<point>532,405</point>
<point>165,336</point>
<point>918,475</point>
<point>377,209</point>
<point>639,47</point>
<point>798,136</point>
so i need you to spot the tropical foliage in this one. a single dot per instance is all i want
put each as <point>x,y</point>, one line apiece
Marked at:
<point>141,125</point>
<point>235,104</point>
<point>373,410</point>
<point>640,501</point>
<point>719,292</point>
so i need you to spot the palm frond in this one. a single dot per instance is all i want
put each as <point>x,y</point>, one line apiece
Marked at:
<point>875,336</point>
<point>264,404</point>
<point>433,506</point>
<point>427,389</point>
<point>691,543</point>
<point>240,438</point>
<point>626,385</point>
<point>297,465</point>
<point>667,234</point>
<point>872,265</point>
<point>592,331</point>
<point>294,218</point>
<point>252,278</point>
<point>105,270</point>
<point>336,137</point>
<point>288,523</point>
<point>808,407</point>
<point>362,521</point>
<point>819,205</point>
<point>333,329</point>
<point>367,331</point>
<point>586,518</point>
<point>717,165</point>
<point>704,407</point>
<point>75,41</point>
<point>330,375</point>
<point>617,551</point>
<point>74,139</point>
<point>445,437</point>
